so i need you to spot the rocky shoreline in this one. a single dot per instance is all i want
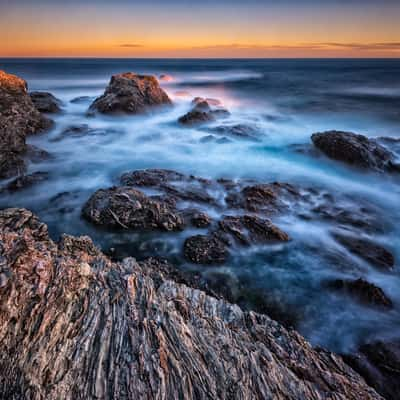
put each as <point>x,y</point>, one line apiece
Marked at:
<point>81,325</point>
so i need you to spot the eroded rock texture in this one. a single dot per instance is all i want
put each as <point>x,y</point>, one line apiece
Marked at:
<point>130,93</point>
<point>18,118</point>
<point>74,325</point>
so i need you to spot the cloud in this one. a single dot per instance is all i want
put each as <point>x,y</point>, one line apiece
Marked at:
<point>130,45</point>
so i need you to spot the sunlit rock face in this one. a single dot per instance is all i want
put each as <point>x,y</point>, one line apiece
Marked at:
<point>74,325</point>
<point>18,118</point>
<point>131,94</point>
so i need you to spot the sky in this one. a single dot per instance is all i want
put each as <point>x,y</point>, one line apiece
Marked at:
<point>201,28</point>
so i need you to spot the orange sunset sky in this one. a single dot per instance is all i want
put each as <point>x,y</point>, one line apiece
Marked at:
<point>220,28</point>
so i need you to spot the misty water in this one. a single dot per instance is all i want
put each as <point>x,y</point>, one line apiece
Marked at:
<point>286,101</point>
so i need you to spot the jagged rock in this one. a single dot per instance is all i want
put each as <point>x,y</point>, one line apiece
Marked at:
<point>18,118</point>
<point>130,93</point>
<point>205,249</point>
<point>128,208</point>
<point>365,292</point>
<point>45,102</point>
<point>369,251</point>
<point>247,229</point>
<point>354,149</point>
<point>25,181</point>
<point>74,325</point>
<point>379,363</point>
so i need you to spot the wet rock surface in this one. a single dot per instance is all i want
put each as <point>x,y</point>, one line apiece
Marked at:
<point>379,363</point>
<point>18,118</point>
<point>25,181</point>
<point>202,112</point>
<point>354,149</point>
<point>363,291</point>
<point>45,102</point>
<point>377,255</point>
<point>130,93</point>
<point>128,208</point>
<point>205,249</point>
<point>60,299</point>
<point>239,131</point>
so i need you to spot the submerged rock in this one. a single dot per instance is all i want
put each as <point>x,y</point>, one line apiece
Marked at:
<point>130,93</point>
<point>354,149</point>
<point>205,249</point>
<point>25,181</point>
<point>128,208</point>
<point>45,102</point>
<point>73,323</point>
<point>365,292</point>
<point>379,364</point>
<point>18,118</point>
<point>369,251</point>
<point>239,131</point>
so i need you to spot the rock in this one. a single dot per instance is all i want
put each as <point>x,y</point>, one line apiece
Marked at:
<point>208,100</point>
<point>369,251</point>
<point>150,177</point>
<point>128,208</point>
<point>248,229</point>
<point>379,364</point>
<point>81,100</point>
<point>45,102</point>
<point>239,131</point>
<point>202,113</point>
<point>25,181</point>
<point>266,198</point>
<point>18,118</point>
<point>365,292</point>
<point>130,93</point>
<point>196,218</point>
<point>354,149</point>
<point>73,324</point>
<point>206,250</point>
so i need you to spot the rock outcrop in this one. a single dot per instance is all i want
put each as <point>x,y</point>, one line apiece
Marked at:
<point>202,113</point>
<point>45,102</point>
<point>128,208</point>
<point>356,150</point>
<point>74,325</point>
<point>18,118</point>
<point>131,94</point>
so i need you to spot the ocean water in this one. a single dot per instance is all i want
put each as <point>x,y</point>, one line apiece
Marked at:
<point>287,101</point>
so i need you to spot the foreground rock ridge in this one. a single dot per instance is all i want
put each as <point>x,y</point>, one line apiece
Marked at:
<point>74,325</point>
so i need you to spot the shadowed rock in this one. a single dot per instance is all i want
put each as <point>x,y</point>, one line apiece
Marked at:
<point>202,113</point>
<point>354,149</point>
<point>379,363</point>
<point>205,249</point>
<point>25,181</point>
<point>130,93</point>
<point>369,251</point>
<point>128,208</point>
<point>365,292</point>
<point>18,118</point>
<point>45,102</point>
<point>73,324</point>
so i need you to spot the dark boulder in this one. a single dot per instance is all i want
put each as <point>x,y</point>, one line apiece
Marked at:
<point>45,102</point>
<point>202,113</point>
<point>128,208</point>
<point>196,218</point>
<point>131,94</point>
<point>206,250</point>
<point>18,118</point>
<point>150,177</point>
<point>368,250</point>
<point>357,150</point>
<point>379,364</point>
<point>363,291</point>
